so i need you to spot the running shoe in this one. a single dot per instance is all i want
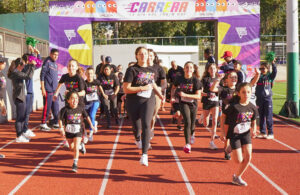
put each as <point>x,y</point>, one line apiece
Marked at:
<point>179,127</point>
<point>144,160</point>
<point>66,144</point>
<point>192,139</point>
<point>212,145</point>
<point>55,126</point>
<point>22,139</point>
<point>2,156</point>
<point>85,139</point>
<point>82,149</point>
<point>91,138</point>
<point>74,168</point>
<point>138,144</point>
<point>96,126</point>
<point>262,135</point>
<point>271,136</point>
<point>44,127</point>
<point>29,133</point>
<point>238,181</point>
<point>227,156</point>
<point>187,148</point>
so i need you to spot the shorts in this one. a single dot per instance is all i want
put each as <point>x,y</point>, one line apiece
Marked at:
<point>72,135</point>
<point>208,105</point>
<point>237,140</point>
<point>176,107</point>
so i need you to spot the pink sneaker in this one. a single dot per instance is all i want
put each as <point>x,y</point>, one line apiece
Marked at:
<point>187,148</point>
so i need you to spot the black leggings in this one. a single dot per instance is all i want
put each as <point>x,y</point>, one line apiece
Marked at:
<point>189,112</point>
<point>110,105</point>
<point>140,111</point>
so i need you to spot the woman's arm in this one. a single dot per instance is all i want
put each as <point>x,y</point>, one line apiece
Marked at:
<point>196,96</point>
<point>128,89</point>
<point>157,91</point>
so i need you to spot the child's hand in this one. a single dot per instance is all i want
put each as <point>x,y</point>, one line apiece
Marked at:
<point>256,70</point>
<point>273,62</point>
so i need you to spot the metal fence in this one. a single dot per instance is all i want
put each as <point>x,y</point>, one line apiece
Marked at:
<point>275,43</point>
<point>14,44</point>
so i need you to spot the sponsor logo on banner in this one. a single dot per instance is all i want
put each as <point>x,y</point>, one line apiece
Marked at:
<point>242,31</point>
<point>70,34</point>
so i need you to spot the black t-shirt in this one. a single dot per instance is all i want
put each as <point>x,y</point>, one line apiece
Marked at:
<point>2,85</point>
<point>172,74</point>
<point>188,86</point>
<point>139,76</point>
<point>91,90</point>
<point>239,117</point>
<point>74,83</point>
<point>207,82</point>
<point>159,74</point>
<point>226,94</point>
<point>109,82</point>
<point>121,91</point>
<point>72,116</point>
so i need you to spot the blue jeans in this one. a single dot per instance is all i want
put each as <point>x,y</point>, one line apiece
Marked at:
<point>28,109</point>
<point>265,109</point>
<point>20,118</point>
<point>92,109</point>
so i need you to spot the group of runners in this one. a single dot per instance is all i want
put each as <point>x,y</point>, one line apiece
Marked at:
<point>229,99</point>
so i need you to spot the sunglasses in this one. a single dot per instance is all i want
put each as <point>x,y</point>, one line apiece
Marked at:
<point>262,68</point>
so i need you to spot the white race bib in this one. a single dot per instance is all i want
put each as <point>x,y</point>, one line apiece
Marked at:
<point>145,94</point>
<point>186,99</point>
<point>212,97</point>
<point>73,128</point>
<point>91,97</point>
<point>109,92</point>
<point>242,127</point>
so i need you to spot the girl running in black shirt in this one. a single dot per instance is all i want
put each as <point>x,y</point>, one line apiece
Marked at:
<point>109,89</point>
<point>189,91</point>
<point>240,118</point>
<point>210,101</point>
<point>140,101</point>
<point>70,123</point>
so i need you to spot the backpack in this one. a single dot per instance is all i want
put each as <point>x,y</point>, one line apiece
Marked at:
<point>289,109</point>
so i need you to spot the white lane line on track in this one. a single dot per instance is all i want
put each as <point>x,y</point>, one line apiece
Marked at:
<point>12,141</point>
<point>261,174</point>
<point>268,179</point>
<point>183,174</point>
<point>34,170</point>
<point>289,147</point>
<point>279,94</point>
<point>109,164</point>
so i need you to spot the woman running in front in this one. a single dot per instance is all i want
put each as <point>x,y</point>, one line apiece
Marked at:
<point>70,124</point>
<point>240,119</point>
<point>140,100</point>
<point>189,91</point>
<point>210,101</point>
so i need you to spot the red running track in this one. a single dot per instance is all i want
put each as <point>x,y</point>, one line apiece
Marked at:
<point>111,165</point>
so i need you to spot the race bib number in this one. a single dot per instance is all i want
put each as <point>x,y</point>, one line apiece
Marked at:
<point>73,128</point>
<point>109,92</point>
<point>242,127</point>
<point>145,94</point>
<point>91,97</point>
<point>186,99</point>
<point>213,97</point>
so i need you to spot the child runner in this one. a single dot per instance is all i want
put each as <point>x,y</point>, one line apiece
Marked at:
<point>2,90</point>
<point>264,101</point>
<point>140,101</point>
<point>240,118</point>
<point>70,123</point>
<point>189,92</point>
<point>91,98</point>
<point>19,96</point>
<point>109,88</point>
<point>210,101</point>
<point>121,93</point>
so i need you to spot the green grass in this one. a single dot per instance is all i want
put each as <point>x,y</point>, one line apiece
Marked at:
<point>279,97</point>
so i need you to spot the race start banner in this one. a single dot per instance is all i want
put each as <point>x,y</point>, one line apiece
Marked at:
<point>238,24</point>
